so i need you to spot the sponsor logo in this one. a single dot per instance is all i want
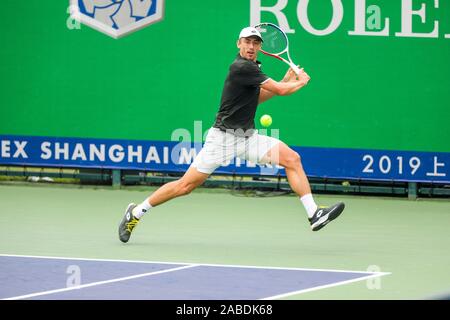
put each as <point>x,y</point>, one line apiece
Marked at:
<point>117,18</point>
<point>414,19</point>
<point>319,213</point>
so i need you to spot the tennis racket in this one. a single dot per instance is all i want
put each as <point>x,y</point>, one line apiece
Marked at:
<point>275,43</point>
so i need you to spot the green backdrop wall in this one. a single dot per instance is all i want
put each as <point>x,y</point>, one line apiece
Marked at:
<point>375,92</point>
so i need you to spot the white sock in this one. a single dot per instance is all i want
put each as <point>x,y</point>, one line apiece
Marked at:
<point>309,204</point>
<point>141,209</point>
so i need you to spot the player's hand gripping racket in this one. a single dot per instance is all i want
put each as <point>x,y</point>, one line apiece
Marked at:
<point>276,43</point>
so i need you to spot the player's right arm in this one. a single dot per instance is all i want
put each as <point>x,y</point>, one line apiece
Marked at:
<point>286,88</point>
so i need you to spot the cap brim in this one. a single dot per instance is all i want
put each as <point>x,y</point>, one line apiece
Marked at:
<point>254,35</point>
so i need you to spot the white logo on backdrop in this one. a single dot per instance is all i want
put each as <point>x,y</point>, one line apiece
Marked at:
<point>117,18</point>
<point>368,19</point>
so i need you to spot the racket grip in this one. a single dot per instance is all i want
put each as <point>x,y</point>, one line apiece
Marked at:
<point>295,68</point>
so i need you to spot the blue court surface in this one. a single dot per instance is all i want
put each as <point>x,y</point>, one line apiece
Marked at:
<point>54,278</point>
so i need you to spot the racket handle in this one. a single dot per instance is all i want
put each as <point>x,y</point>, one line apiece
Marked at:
<point>295,68</point>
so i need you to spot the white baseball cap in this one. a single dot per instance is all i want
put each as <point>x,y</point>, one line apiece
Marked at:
<point>248,32</point>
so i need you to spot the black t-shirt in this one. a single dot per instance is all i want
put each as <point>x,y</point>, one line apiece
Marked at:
<point>240,95</point>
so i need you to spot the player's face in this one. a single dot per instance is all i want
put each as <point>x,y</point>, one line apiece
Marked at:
<point>249,47</point>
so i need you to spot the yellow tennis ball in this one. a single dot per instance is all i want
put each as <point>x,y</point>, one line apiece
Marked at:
<point>266,120</point>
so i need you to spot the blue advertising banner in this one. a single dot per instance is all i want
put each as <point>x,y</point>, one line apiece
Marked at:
<point>172,156</point>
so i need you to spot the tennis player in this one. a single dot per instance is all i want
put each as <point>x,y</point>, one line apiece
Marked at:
<point>233,135</point>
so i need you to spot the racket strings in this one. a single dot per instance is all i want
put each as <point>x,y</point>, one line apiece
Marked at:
<point>274,40</point>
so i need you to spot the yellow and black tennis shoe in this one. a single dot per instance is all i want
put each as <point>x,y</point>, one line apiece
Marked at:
<point>324,215</point>
<point>128,223</point>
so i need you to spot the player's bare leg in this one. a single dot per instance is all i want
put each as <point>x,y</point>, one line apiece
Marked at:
<point>183,186</point>
<point>284,156</point>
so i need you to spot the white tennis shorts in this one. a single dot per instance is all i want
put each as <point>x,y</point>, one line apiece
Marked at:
<point>221,148</point>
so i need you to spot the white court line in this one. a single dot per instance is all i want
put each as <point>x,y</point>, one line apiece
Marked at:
<point>368,274</point>
<point>197,264</point>
<point>283,295</point>
<point>98,283</point>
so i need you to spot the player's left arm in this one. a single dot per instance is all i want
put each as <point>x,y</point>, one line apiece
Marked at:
<point>265,95</point>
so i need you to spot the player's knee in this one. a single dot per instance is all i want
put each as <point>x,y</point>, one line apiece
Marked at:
<point>184,188</point>
<point>292,160</point>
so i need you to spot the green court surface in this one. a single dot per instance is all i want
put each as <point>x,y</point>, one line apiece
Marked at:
<point>409,239</point>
